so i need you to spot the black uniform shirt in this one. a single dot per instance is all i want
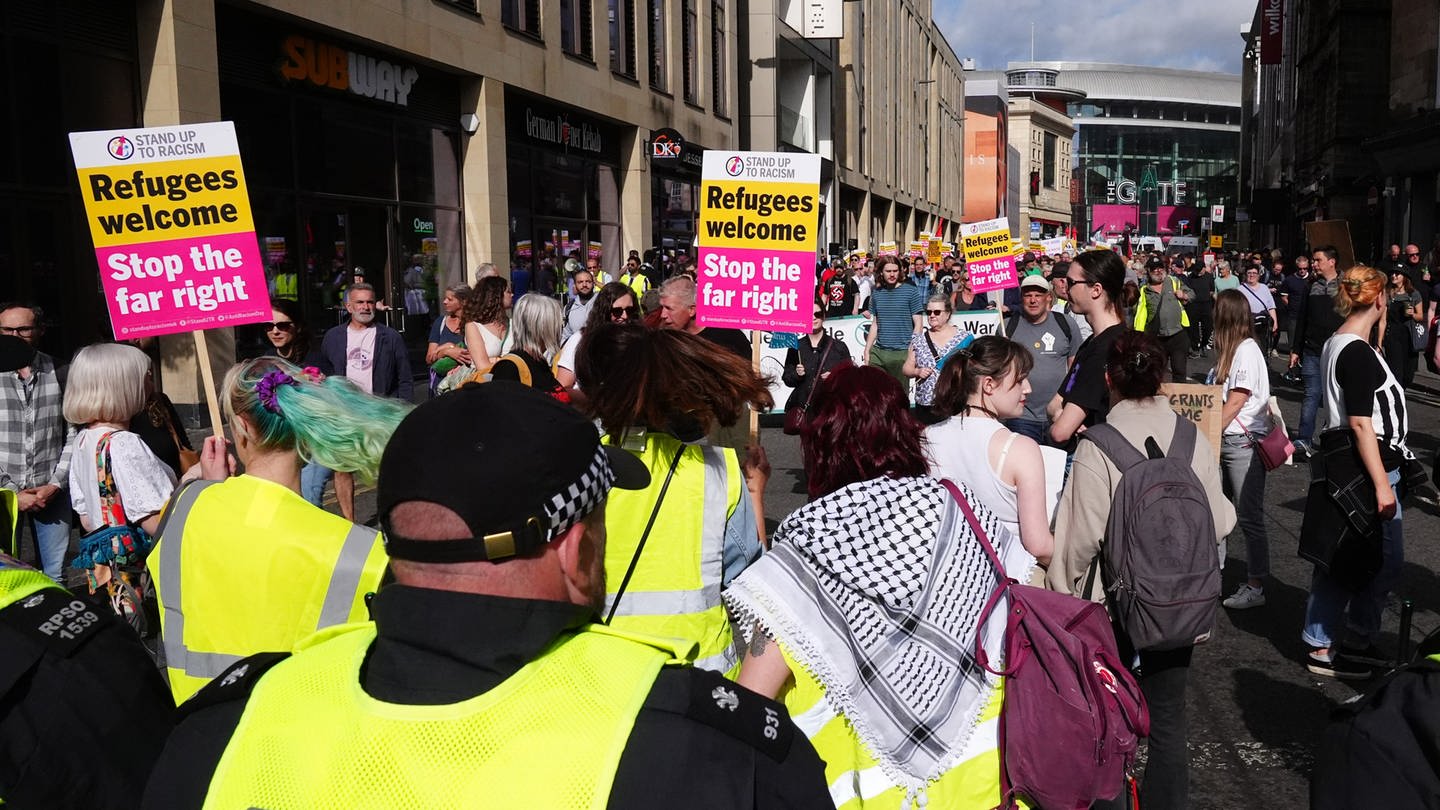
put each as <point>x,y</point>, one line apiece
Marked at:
<point>688,748</point>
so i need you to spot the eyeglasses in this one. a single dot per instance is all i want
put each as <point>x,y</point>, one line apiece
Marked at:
<point>1408,253</point>
<point>1074,281</point>
<point>819,315</point>
<point>18,330</point>
<point>934,312</point>
<point>287,326</point>
<point>629,312</point>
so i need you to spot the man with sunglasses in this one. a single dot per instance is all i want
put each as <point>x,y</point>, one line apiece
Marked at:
<point>35,443</point>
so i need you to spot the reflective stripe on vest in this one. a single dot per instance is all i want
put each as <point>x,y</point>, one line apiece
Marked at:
<point>309,737</point>
<point>857,779</point>
<point>675,590</point>
<point>340,594</point>
<point>10,502</point>
<point>1142,308</point>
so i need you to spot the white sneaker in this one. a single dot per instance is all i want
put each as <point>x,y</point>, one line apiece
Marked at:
<point>1246,596</point>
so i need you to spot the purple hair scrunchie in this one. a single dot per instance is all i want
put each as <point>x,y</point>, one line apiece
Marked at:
<point>265,390</point>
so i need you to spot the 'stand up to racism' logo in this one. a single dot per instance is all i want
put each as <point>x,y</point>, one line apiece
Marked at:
<point>120,147</point>
<point>734,166</point>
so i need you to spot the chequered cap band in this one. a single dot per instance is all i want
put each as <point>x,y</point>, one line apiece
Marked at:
<point>569,506</point>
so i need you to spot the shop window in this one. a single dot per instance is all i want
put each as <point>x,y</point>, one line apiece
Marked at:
<point>343,152</point>
<point>576,24</point>
<point>690,58</point>
<point>622,36</point>
<point>659,59</point>
<point>521,15</point>
<point>719,60</point>
<point>262,129</point>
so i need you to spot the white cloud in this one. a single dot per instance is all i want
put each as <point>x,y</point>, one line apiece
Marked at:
<point>1193,36</point>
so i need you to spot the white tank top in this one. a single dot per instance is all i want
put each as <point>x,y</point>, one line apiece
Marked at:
<point>959,449</point>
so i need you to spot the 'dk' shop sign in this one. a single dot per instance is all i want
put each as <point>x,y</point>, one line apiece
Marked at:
<point>759,216</point>
<point>170,219</point>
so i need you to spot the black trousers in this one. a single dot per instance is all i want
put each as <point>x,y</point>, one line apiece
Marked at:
<point>1177,347</point>
<point>1202,323</point>
<point>1163,676</point>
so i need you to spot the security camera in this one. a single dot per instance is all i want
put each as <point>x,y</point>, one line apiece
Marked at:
<point>470,122</point>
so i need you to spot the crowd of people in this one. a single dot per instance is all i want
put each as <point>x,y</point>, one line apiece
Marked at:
<point>568,596</point>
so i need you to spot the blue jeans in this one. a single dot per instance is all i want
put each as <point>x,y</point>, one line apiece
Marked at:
<point>1036,429</point>
<point>1310,373</point>
<point>1326,607</point>
<point>1244,479</point>
<point>51,529</point>
<point>313,477</point>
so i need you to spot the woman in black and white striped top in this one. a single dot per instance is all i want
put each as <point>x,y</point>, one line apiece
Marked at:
<point>1363,395</point>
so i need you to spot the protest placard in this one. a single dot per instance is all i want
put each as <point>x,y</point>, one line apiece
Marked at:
<point>889,248</point>
<point>1200,404</point>
<point>170,219</point>
<point>989,255</point>
<point>850,331</point>
<point>915,250</point>
<point>759,217</point>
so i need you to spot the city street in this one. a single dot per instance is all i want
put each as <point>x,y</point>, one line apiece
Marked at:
<point>1255,712</point>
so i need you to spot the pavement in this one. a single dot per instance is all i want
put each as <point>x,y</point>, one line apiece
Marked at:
<point>1255,712</point>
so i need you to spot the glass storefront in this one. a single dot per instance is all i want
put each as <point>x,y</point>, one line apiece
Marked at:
<point>1188,170</point>
<point>340,181</point>
<point>675,168</point>
<point>563,179</point>
<point>67,67</point>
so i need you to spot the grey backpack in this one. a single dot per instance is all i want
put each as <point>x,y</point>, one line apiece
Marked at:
<point>1160,563</point>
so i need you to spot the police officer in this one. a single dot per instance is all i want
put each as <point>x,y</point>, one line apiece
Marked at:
<point>483,681</point>
<point>83,713</point>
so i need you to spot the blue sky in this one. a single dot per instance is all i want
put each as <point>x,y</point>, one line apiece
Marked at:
<point>1193,36</point>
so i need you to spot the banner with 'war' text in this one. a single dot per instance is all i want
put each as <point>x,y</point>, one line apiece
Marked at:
<point>170,218</point>
<point>759,217</point>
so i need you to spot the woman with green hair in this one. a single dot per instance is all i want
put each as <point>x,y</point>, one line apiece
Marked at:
<point>244,564</point>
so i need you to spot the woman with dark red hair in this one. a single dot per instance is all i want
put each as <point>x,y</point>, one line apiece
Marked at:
<point>880,540</point>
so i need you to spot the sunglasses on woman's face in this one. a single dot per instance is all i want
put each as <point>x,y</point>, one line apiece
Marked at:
<point>934,313</point>
<point>279,326</point>
<point>819,315</point>
<point>628,312</point>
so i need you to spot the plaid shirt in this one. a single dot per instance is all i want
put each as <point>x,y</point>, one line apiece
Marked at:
<point>34,437</point>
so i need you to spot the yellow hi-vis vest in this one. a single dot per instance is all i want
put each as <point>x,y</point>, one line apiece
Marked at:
<point>246,566</point>
<point>18,581</point>
<point>675,590</point>
<point>639,283</point>
<point>856,778</point>
<point>1142,308</point>
<point>550,736</point>
<point>10,507</point>
<point>287,285</point>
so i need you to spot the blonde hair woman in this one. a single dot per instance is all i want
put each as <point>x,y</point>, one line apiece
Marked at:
<point>1364,443</point>
<point>1240,367</point>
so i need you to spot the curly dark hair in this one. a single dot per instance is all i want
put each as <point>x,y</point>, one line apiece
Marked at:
<point>486,303</point>
<point>860,428</point>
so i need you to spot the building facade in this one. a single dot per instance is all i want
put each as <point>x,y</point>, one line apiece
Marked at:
<point>388,135</point>
<point>1153,147</point>
<point>899,126</point>
<point>1042,133</point>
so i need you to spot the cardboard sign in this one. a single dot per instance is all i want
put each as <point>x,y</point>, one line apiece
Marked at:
<point>1334,232</point>
<point>934,251</point>
<point>1201,405</point>
<point>989,255</point>
<point>170,219</point>
<point>759,223</point>
<point>850,331</point>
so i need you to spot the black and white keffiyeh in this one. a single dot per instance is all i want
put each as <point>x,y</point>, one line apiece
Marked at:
<point>876,591</point>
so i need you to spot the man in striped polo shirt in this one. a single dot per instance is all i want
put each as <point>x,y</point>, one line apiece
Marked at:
<point>895,310</point>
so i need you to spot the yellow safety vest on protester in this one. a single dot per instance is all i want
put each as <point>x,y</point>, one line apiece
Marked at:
<point>638,283</point>
<point>10,506</point>
<point>856,778</point>
<point>550,736</point>
<point>1142,308</point>
<point>675,590</point>
<point>246,566</point>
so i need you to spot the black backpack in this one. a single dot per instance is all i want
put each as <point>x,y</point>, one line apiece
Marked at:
<point>1160,562</point>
